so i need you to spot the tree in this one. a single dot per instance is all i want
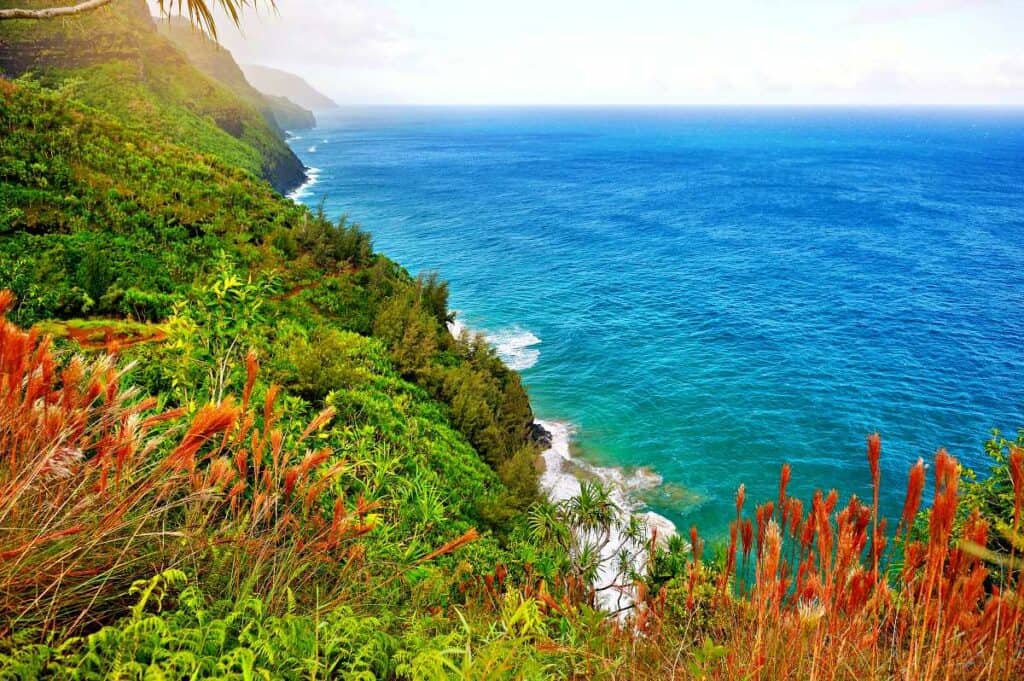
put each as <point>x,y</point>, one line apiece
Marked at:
<point>199,12</point>
<point>601,546</point>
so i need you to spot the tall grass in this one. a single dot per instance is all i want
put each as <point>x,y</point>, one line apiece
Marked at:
<point>824,606</point>
<point>97,489</point>
<point>816,591</point>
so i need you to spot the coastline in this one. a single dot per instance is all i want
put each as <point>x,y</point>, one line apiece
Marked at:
<point>310,174</point>
<point>300,192</point>
<point>563,474</point>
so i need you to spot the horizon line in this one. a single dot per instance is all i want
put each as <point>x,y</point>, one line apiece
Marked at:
<point>709,105</point>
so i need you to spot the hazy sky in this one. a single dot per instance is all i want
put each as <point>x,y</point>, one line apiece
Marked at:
<point>645,51</point>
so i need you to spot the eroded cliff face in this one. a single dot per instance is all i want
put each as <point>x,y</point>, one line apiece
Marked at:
<point>115,60</point>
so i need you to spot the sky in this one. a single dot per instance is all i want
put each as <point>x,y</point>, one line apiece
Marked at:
<point>645,52</point>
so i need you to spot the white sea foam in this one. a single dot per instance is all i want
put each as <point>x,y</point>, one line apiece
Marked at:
<point>302,191</point>
<point>312,149</point>
<point>514,345</point>
<point>516,348</point>
<point>456,327</point>
<point>561,480</point>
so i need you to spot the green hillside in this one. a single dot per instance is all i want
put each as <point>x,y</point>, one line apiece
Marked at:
<point>238,443</point>
<point>114,59</point>
<point>217,63</point>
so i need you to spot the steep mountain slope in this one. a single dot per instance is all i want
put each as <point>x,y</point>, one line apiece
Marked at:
<point>283,84</point>
<point>114,59</point>
<point>217,63</point>
<point>105,220</point>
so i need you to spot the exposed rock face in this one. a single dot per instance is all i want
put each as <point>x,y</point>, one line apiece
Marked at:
<point>540,435</point>
<point>119,44</point>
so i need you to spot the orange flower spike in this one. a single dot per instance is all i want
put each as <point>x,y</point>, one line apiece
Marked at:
<point>70,377</point>
<point>741,495</point>
<point>210,421</point>
<point>241,433</point>
<point>810,524</point>
<point>52,536</point>
<point>944,506</point>
<point>112,385</point>
<point>915,488</point>
<point>338,516</point>
<point>290,478</point>
<point>268,408</point>
<point>144,405</point>
<point>312,461</point>
<point>236,489</point>
<point>730,558</point>
<point>7,300</point>
<point>831,500</point>
<point>976,529</point>
<point>768,567</point>
<point>242,461</point>
<point>763,515</point>
<point>796,515</point>
<point>276,445</point>
<point>784,478</point>
<point>321,420</point>
<point>169,415</point>
<point>747,537</point>
<point>467,537</point>
<point>874,456</point>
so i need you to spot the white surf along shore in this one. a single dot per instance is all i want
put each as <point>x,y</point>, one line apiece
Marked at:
<point>302,191</point>
<point>312,174</point>
<point>563,473</point>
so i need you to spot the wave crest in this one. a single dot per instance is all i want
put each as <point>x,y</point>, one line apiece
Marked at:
<point>514,345</point>
<point>312,176</point>
<point>516,348</point>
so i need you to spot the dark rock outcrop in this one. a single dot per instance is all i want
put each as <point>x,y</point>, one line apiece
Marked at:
<point>540,435</point>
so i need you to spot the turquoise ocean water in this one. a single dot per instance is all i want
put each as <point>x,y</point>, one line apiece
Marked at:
<point>709,293</point>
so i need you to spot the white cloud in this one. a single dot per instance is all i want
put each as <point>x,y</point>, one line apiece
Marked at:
<point>355,33</point>
<point>912,9</point>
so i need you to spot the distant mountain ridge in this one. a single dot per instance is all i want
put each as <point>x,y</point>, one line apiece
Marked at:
<point>217,62</point>
<point>283,84</point>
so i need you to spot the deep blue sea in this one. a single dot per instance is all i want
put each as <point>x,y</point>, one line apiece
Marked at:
<point>710,293</point>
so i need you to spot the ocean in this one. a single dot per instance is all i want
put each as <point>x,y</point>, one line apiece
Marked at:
<point>696,296</point>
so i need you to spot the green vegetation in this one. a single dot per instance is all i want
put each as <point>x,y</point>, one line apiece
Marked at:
<point>112,59</point>
<point>235,442</point>
<point>217,63</point>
